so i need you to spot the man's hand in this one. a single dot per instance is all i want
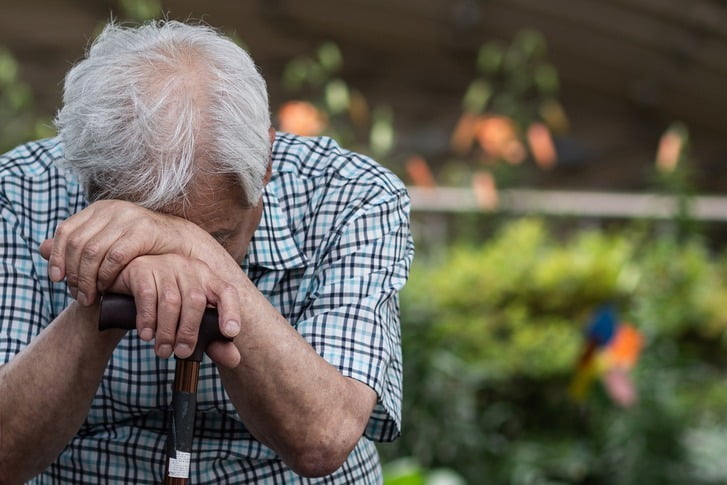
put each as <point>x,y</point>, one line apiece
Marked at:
<point>91,248</point>
<point>171,293</point>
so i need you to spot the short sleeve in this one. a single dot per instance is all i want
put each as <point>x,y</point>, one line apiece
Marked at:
<point>352,318</point>
<point>22,312</point>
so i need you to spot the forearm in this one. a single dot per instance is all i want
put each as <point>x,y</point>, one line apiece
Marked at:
<point>289,397</point>
<point>46,391</point>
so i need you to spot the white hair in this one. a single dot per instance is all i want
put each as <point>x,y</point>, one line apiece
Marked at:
<point>151,106</point>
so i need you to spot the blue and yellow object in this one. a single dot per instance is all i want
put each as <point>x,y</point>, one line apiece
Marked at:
<point>610,351</point>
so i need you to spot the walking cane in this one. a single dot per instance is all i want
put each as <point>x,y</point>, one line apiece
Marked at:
<point>119,311</point>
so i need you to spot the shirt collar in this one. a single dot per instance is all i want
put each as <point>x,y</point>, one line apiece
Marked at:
<point>273,245</point>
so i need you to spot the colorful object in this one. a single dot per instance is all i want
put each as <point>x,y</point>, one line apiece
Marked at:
<point>419,172</point>
<point>302,118</point>
<point>610,351</point>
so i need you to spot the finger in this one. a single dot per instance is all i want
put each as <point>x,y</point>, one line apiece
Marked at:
<point>57,258</point>
<point>226,298</point>
<point>225,354</point>
<point>45,248</point>
<point>119,254</point>
<point>90,258</point>
<point>194,303</point>
<point>83,249</point>
<point>168,309</point>
<point>145,299</point>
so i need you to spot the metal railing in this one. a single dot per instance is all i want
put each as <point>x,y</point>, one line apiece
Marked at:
<point>569,203</point>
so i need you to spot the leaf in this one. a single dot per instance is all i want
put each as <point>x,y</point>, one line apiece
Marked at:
<point>330,57</point>
<point>476,97</point>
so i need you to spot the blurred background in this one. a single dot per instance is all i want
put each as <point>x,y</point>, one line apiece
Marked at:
<point>564,320</point>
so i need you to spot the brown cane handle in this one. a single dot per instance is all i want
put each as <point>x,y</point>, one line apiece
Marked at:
<point>119,311</point>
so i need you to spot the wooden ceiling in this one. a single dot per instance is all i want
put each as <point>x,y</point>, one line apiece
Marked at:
<point>663,55</point>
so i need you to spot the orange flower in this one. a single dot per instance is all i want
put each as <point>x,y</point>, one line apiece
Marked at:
<point>419,172</point>
<point>625,348</point>
<point>464,134</point>
<point>485,189</point>
<point>670,148</point>
<point>302,118</point>
<point>541,144</point>
<point>497,136</point>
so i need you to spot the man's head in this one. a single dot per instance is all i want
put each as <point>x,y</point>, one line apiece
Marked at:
<point>153,110</point>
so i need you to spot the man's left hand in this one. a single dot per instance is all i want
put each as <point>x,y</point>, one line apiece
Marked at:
<point>92,247</point>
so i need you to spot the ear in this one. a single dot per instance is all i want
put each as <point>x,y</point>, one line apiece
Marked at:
<point>269,171</point>
<point>271,132</point>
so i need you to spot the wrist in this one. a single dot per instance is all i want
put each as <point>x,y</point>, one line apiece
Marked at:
<point>85,319</point>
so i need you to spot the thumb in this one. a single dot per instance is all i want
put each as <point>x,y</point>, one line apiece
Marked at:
<point>45,248</point>
<point>224,354</point>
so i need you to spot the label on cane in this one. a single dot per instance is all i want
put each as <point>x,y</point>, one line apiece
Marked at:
<point>179,467</point>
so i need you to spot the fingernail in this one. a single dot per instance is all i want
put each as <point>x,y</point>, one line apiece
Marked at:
<point>232,327</point>
<point>55,273</point>
<point>82,298</point>
<point>164,351</point>
<point>146,334</point>
<point>182,350</point>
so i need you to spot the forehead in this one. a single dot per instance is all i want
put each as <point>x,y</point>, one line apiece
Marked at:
<point>213,202</point>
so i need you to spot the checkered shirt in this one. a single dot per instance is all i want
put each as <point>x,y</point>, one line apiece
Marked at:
<point>331,253</point>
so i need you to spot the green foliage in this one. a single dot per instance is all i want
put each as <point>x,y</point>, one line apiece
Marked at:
<point>18,118</point>
<point>406,471</point>
<point>347,115</point>
<point>514,79</point>
<point>140,10</point>
<point>491,334</point>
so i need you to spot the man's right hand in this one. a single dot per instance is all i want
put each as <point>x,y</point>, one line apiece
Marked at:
<point>91,248</point>
<point>171,293</point>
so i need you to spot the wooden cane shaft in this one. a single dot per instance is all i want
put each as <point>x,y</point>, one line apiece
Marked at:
<point>174,481</point>
<point>186,377</point>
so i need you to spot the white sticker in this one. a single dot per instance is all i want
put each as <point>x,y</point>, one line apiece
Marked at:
<point>179,467</point>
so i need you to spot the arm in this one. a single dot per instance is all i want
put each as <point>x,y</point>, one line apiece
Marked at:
<point>302,407</point>
<point>49,370</point>
<point>309,411</point>
<point>46,391</point>
<point>47,388</point>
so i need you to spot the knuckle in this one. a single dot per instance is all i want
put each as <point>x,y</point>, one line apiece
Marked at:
<point>85,282</point>
<point>116,256</point>
<point>187,334</point>
<point>146,317</point>
<point>170,298</point>
<point>145,292</point>
<point>200,265</point>
<point>61,229</point>
<point>75,242</point>
<point>105,277</point>
<point>91,251</point>
<point>72,278</point>
<point>164,335</point>
<point>197,298</point>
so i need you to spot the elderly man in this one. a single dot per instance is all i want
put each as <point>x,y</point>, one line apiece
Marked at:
<point>167,183</point>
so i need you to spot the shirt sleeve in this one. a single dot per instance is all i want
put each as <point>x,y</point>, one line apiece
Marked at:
<point>22,312</point>
<point>352,318</point>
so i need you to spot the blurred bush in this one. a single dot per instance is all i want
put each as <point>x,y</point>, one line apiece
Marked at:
<point>492,334</point>
<point>19,121</point>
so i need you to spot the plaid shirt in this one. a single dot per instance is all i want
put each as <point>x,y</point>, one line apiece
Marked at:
<point>332,250</point>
